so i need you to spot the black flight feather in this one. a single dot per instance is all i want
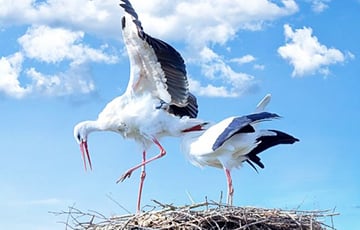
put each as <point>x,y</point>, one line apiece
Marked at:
<point>268,141</point>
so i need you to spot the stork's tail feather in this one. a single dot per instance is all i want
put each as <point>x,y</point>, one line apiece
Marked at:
<point>263,103</point>
<point>268,141</point>
<point>190,110</point>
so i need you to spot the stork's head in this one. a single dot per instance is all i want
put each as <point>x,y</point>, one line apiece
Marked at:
<point>81,132</point>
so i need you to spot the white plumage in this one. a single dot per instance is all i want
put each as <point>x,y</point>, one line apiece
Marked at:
<point>232,141</point>
<point>156,102</point>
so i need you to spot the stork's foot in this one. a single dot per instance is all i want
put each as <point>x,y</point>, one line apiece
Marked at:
<point>127,174</point>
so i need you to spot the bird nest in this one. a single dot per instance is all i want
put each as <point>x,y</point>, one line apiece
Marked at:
<point>206,215</point>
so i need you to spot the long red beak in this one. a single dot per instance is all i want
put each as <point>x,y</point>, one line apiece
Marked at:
<point>85,154</point>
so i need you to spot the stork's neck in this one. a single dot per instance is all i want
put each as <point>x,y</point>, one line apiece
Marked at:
<point>129,90</point>
<point>93,126</point>
<point>188,138</point>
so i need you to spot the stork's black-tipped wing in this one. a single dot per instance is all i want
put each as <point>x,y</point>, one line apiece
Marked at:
<point>268,141</point>
<point>241,125</point>
<point>130,10</point>
<point>174,70</point>
<point>161,69</point>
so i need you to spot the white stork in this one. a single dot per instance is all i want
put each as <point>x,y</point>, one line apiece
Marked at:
<point>156,103</point>
<point>232,141</point>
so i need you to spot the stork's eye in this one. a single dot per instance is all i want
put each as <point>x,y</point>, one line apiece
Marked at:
<point>78,136</point>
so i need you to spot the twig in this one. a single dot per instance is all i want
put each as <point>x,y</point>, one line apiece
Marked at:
<point>118,204</point>
<point>189,196</point>
<point>164,205</point>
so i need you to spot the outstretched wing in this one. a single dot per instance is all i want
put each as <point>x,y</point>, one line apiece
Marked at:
<point>155,65</point>
<point>241,125</point>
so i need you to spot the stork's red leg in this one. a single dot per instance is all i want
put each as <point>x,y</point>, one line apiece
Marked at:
<point>142,178</point>
<point>128,173</point>
<point>230,187</point>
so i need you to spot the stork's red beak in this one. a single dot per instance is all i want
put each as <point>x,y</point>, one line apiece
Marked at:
<point>85,154</point>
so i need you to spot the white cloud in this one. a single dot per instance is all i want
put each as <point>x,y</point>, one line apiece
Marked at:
<point>10,68</point>
<point>53,45</point>
<point>215,69</point>
<point>218,21</point>
<point>259,67</point>
<point>350,55</point>
<point>305,53</point>
<point>209,90</point>
<point>74,81</point>
<point>319,6</point>
<point>244,59</point>
<point>49,44</point>
<point>99,17</point>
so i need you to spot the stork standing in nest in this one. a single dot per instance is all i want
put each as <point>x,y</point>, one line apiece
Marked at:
<point>232,141</point>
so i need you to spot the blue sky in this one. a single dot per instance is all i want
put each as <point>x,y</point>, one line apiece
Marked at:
<point>62,61</point>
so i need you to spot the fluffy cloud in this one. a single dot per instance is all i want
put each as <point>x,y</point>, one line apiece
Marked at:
<point>76,80</point>
<point>96,17</point>
<point>215,69</point>
<point>259,67</point>
<point>209,90</point>
<point>49,45</point>
<point>53,45</point>
<point>10,68</point>
<point>218,21</point>
<point>244,59</point>
<point>306,54</point>
<point>44,44</point>
<point>319,6</point>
